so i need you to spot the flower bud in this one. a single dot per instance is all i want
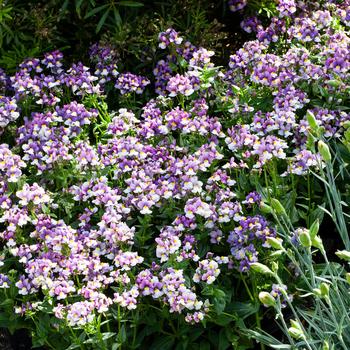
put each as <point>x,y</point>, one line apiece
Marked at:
<point>333,82</point>
<point>266,209</point>
<point>312,121</point>
<point>267,299</point>
<point>325,345</point>
<point>314,229</point>
<point>311,141</point>
<point>296,331</point>
<point>317,243</point>
<point>277,253</point>
<point>343,254</point>
<point>278,207</point>
<point>346,124</point>
<point>261,268</point>
<point>305,239</point>
<point>324,288</point>
<point>275,242</point>
<point>317,291</point>
<point>324,151</point>
<point>295,324</point>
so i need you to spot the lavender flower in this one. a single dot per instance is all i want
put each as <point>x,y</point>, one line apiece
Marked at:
<point>236,5</point>
<point>9,110</point>
<point>180,84</point>
<point>286,8</point>
<point>10,164</point>
<point>128,82</point>
<point>168,37</point>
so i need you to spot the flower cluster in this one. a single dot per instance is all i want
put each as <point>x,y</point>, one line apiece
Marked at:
<point>170,36</point>
<point>106,59</point>
<point>286,8</point>
<point>179,84</point>
<point>47,138</point>
<point>8,110</point>
<point>10,164</point>
<point>108,209</point>
<point>128,82</point>
<point>236,5</point>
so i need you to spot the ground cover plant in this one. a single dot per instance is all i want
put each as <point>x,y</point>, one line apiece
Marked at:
<point>180,203</point>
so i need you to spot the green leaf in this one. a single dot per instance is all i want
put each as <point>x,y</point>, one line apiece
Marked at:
<point>117,18</point>
<point>224,320</point>
<point>102,20</point>
<point>223,341</point>
<point>95,10</point>
<point>130,3</point>
<point>204,345</point>
<point>163,343</point>
<point>244,310</point>
<point>219,305</point>
<point>108,335</point>
<point>73,346</point>
<point>122,334</point>
<point>64,6</point>
<point>116,346</point>
<point>7,303</point>
<point>218,293</point>
<point>317,214</point>
<point>78,6</point>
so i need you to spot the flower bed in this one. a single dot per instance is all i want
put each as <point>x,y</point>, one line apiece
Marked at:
<point>176,218</point>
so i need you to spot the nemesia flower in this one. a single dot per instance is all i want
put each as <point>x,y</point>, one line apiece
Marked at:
<point>180,85</point>
<point>168,37</point>
<point>4,281</point>
<point>286,8</point>
<point>128,82</point>
<point>105,58</point>
<point>207,271</point>
<point>10,164</point>
<point>252,197</point>
<point>250,24</point>
<point>115,209</point>
<point>79,313</point>
<point>34,193</point>
<point>277,293</point>
<point>236,5</point>
<point>9,110</point>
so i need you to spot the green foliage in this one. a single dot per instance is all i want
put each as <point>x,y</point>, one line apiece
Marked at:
<point>296,261</point>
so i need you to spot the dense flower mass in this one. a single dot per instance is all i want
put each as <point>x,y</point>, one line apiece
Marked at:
<point>128,82</point>
<point>8,111</point>
<point>162,200</point>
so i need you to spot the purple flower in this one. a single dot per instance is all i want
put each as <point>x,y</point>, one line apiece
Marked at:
<point>286,8</point>
<point>128,82</point>
<point>180,84</point>
<point>168,37</point>
<point>79,313</point>
<point>53,61</point>
<point>9,110</point>
<point>4,281</point>
<point>250,24</point>
<point>105,58</point>
<point>302,162</point>
<point>236,5</point>
<point>207,271</point>
<point>10,164</point>
<point>34,194</point>
<point>252,198</point>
